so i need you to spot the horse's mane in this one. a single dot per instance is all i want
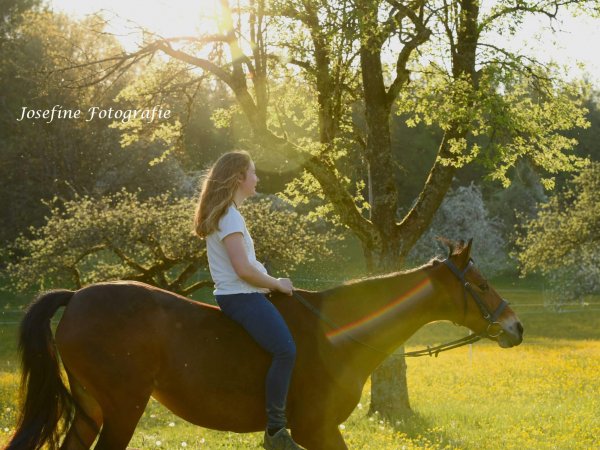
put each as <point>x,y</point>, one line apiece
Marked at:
<point>377,278</point>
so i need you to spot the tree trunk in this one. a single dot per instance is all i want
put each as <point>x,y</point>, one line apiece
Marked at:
<point>389,391</point>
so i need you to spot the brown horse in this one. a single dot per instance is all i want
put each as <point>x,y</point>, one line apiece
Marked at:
<point>122,342</point>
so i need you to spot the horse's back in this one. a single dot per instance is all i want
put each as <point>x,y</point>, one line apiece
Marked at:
<point>116,322</point>
<point>126,298</point>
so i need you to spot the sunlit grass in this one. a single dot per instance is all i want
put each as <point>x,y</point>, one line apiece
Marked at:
<point>536,396</point>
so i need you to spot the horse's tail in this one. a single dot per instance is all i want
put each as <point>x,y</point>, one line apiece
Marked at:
<point>45,400</point>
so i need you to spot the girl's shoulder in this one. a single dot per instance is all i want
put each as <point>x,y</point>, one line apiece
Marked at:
<point>231,215</point>
<point>230,222</point>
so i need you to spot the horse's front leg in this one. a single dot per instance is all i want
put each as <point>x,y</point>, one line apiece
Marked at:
<point>321,438</point>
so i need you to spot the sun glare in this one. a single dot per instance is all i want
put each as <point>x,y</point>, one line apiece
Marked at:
<point>167,18</point>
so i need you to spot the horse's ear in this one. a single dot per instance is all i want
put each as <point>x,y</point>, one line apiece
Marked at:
<point>464,252</point>
<point>448,243</point>
<point>468,248</point>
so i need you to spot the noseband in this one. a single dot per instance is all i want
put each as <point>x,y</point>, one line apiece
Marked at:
<point>491,317</point>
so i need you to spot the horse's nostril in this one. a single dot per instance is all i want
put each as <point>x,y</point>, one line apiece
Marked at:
<point>520,328</point>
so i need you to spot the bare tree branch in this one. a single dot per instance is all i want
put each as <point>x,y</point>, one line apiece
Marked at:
<point>205,64</point>
<point>549,9</point>
<point>130,262</point>
<point>421,36</point>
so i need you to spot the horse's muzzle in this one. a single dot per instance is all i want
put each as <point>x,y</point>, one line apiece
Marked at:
<point>512,334</point>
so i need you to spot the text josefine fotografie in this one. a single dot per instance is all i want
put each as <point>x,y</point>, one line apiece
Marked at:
<point>95,112</point>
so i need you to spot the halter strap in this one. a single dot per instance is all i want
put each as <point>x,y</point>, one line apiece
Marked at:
<point>485,312</point>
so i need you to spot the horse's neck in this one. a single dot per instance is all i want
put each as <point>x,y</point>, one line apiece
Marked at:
<point>376,316</point>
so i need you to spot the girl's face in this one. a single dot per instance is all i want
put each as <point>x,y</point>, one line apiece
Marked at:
<point>247,186</point>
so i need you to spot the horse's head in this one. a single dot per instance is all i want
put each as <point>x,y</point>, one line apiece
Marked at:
<point>475,303</point>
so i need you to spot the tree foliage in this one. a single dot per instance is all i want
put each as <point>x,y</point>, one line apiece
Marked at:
<point>120,236</point>
<point>510,116</point>
<point>563,241</point>
<point>283,237</point>
<point>11,14</point>
<point>66,157</point>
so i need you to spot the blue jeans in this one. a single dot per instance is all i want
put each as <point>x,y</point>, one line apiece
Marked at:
<point>264,323</point>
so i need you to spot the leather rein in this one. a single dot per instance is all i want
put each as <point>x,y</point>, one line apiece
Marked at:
<point>491,317</point>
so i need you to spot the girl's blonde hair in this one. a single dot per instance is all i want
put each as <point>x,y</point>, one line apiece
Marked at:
<point>218,188</point>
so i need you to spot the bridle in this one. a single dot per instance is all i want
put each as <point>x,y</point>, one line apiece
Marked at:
<point>491,317</point>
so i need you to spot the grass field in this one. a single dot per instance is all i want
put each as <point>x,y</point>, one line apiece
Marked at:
<point>544,394</point>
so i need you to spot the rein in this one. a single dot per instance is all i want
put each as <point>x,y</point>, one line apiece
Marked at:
<point>431,351</point>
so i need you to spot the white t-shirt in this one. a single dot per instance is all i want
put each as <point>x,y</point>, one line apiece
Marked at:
<point>221,269</point>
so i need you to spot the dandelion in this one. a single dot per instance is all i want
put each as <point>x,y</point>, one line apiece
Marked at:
<point>359,406</point>
<point>342,426</point>
<point>8,409</point>
<point>158,443</point>
<point>171,424</point>
<point>6,429</point>
<point>202,441</point>
<point>153,416</point>
<point>184,444</point>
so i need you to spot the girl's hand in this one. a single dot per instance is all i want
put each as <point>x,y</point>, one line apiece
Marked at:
<point>285,285</point>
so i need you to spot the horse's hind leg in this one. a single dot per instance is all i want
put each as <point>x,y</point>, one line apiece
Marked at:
<point>120,419</point>
<point>82,433</point>
<point>319,438</point>
<point>87,421</point>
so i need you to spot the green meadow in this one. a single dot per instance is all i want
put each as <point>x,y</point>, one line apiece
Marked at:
<point>544,394</point>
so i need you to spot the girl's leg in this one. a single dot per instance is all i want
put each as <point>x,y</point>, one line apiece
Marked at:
<point>264,323</point>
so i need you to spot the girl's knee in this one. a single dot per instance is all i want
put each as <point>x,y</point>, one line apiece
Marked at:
<point>291,351</point>
<point>286,351</point>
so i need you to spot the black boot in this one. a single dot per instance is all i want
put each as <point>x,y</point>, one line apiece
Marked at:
<point>280,441</point>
